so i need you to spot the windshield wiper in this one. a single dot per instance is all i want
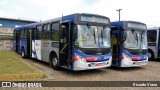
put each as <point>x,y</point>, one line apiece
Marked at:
<point>89,27</point>
<point>136,37</point>
<point>102,34</point>
<point>141,35</point>
<point>94,35</point>
<point>141,39</point>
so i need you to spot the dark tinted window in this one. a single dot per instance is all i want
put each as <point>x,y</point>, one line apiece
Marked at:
<point>46,27</point>
<point>55,31</point>
<point>22,33</point>
<point>152,35</point>
<point>33,32</point>
<point>45,33</point>
<point>38,32</point>
<point>25,33</point>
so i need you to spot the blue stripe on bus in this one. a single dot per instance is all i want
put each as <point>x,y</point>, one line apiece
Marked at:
<point>142,57</point>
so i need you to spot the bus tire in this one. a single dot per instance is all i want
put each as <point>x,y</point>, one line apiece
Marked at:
<point>54,62</point>
<point>23,53</point>
<point>150,55</point>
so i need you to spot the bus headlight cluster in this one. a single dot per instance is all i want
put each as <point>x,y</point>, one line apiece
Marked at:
<point>80,57</point>
<point>126,57</point>
<point>110,58</point>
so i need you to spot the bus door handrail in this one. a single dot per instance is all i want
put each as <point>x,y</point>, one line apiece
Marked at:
<point>64,48</point>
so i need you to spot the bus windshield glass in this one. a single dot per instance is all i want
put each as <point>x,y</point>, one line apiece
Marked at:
<point>136,39</point>
<point>93,37</point>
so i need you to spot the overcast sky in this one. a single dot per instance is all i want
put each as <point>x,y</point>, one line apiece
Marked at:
<point>147,11</point>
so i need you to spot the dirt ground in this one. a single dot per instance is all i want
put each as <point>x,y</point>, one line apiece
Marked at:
<point>150,72</point>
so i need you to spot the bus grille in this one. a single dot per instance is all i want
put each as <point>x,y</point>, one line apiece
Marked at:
<point>100,51</point>
<point>138,52</point>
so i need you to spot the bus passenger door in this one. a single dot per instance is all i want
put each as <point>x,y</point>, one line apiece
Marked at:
<point>114,49</point>
<point>29,42</point>
<point>64,44</point>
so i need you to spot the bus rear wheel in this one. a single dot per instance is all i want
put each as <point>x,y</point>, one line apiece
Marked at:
<point>150,55</point>
<point>54,63</point>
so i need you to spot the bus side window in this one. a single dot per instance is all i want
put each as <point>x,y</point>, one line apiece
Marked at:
<point>22,33</point>
<point>55,32</point>
<point>38,32</point>
<point>46,31</point>
<point>25,33</point>
<point>152,35</point>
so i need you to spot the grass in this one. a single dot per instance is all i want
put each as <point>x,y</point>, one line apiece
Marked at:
<point>12,63</point>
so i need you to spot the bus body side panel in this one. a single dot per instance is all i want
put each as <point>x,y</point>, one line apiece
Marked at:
<point>36,49</point>
<point>14,44</point>
<point>46,48</point>
<point>18,46</point>
<point>54,46</point>
<point>41,49</point>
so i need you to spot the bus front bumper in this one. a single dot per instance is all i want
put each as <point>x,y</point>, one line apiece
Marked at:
<point>130,63</point>
<point>80,65</point>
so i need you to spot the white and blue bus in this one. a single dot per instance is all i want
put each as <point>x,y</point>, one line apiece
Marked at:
<point>153,43</point>
<point>129,43</point>
<point>76,41</point>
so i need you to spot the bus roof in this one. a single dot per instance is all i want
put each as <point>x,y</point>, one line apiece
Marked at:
<point>122,23</point>
<point>153,28</point>
<point>38,23</point>
<point>63,18</point>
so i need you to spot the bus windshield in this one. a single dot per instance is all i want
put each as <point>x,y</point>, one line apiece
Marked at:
<point>93,37</point>
<point>136,39</point>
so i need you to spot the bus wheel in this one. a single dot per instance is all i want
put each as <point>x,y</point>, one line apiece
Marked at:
<point>54,62</point>
<point>150,55</point>
<point>23,53</point>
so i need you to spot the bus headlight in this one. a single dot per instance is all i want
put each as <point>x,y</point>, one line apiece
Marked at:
<point>126,57</point>
<point>110,58</point>
<point>83,59</point>
<point>80,57</point>
<point>77,56</point>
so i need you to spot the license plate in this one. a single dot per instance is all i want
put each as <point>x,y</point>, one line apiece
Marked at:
<point>139,63</point>
<point>99,64</point>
